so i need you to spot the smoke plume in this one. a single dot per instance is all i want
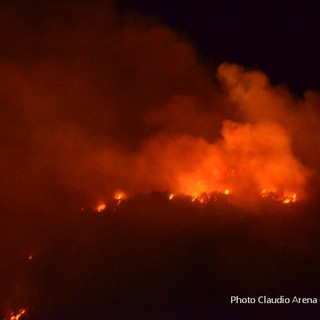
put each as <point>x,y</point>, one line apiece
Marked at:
<point>93,101</point>
<point>96,101</point>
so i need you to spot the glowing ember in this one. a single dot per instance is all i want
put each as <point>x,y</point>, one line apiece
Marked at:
<point>30,257</point>
<point>227,191</point>
<point>101,207</point>
<point>16,316</point>
<point>171,196</point>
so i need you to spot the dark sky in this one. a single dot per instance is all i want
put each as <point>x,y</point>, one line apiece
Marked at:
<point>280,38</point>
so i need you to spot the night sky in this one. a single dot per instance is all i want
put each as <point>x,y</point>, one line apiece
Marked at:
<point>157,158</point>
<point>280,38</point>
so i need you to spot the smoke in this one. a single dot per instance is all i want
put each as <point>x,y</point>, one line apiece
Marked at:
<point>259,101</point>
<point>93,101</point>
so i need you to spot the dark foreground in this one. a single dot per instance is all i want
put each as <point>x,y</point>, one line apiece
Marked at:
<point>154,258</point>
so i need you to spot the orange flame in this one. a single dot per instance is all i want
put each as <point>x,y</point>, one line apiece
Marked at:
<point>227,191</point>
<point>285,198</point>
<point>16,316</point>
<point>119,195</point>
<point>101,207</point>
<point>171,196</point>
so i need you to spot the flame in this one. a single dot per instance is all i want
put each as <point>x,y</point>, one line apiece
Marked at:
<point>286,197</point>
<point>290,199</point>
<point>248,158</point>
<point>119,195</point>
<point>205,198</point>
<point>202,198</point>
<point>16,316</point>
<point>101,207</point>
<point>171,196</point>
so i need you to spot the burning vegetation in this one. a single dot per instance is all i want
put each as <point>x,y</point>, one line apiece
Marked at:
<point>116,114</point>
<point>17,315</point>
<point>191,137</point>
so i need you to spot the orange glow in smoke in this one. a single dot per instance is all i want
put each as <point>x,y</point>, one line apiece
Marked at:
<point>248,158</point>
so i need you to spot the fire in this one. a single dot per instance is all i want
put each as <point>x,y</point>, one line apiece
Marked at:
<point>248,158</point>
<point>101,207</point>
<point>290,199</point>
<point>285,198</point>
<point>17,315</point>
<point>113,202</point>
<point>205,197</point>
<point>227,191</point>
<point>171,196</point>
<point>202,198</point>
<point>120,196</point>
